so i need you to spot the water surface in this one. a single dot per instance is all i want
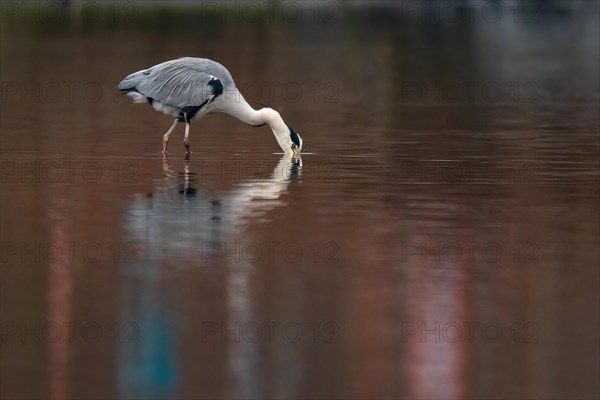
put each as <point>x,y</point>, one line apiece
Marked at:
<point>422,248</point>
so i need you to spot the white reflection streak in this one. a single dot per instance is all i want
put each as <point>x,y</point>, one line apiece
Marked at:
<point>252,200</point>
<point>437,365</point>
<point>59,295</point>
<point>255,199</point>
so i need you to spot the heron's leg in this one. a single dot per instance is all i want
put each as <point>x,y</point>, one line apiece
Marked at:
<point>166,136</point>
<point>186,138</point>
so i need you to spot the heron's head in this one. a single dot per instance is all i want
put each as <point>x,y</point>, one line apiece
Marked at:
<point>296,142</point>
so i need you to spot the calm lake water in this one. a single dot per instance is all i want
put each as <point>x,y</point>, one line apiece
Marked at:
<point>438,238</point>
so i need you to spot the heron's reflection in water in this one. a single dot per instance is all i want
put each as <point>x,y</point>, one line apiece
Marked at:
<point>184,211</point>
<point>175,222</point>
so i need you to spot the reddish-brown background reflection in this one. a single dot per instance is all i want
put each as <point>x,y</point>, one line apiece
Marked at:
<point>385,179</point>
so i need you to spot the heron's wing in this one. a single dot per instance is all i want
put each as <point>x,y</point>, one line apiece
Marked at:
<point>179,84</point>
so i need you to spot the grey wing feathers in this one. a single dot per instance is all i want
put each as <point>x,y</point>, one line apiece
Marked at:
<point>131,81</point>
<point>180,83</point>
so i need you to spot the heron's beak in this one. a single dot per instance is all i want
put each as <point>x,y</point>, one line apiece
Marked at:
<point>288,152</point>
<point>297,149</point>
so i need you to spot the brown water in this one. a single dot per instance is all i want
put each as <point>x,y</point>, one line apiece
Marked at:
<point>422,248</point>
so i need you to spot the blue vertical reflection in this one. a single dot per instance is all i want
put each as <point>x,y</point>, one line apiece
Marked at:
<point>147,369</point>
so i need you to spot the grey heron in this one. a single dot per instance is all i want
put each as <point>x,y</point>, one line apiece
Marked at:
<point>189,88</point>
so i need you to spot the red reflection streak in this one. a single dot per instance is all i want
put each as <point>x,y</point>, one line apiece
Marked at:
<point>437,366</point>
<point>374,374</point>
<point>59,306</point>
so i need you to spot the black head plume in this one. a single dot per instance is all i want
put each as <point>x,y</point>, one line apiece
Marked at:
<point>295,138</point>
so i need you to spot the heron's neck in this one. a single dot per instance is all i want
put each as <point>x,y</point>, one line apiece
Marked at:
<point>241,110</point>
<point>273,119</point>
